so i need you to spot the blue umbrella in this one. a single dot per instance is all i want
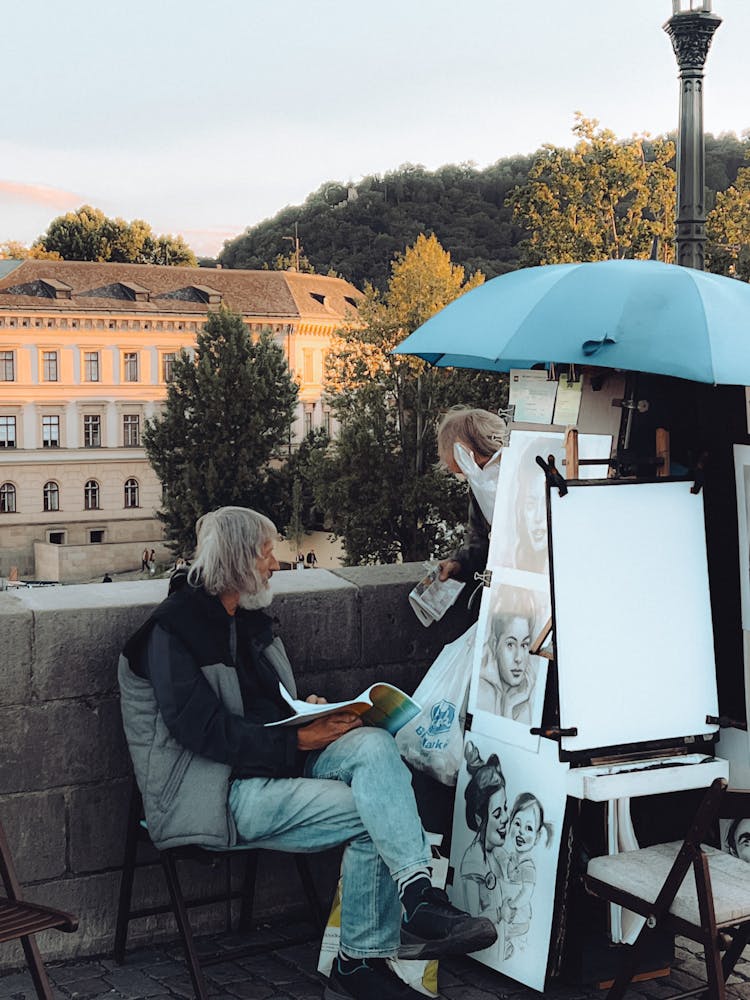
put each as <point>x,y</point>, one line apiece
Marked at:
<point>635,315</point>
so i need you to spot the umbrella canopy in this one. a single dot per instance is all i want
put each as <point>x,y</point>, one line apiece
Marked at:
<point>635,315</point>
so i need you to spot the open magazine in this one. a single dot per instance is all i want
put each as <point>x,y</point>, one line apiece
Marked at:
<point>381,705</point>
<point>432,597</point>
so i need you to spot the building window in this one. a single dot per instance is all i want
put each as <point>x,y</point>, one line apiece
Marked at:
<point>49,366</point>
<point>307,422</point>
<point>92,431</point>
<point>91,495</point>
<point>51,496</point>
<point>131,430</point>
<point>7,498</point>
<point>50,432</point>
<point>131,493</point>
<point>56,537</point>
<point>96,537</point>
<point>91,366</point>
<point>130,366</point>
<point>7,432</point>
<point>167,365</point>
<point>7,366</point>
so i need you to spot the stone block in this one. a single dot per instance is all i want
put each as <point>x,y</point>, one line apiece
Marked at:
<point>76,650</point>
<point>35,828</point>
<point>61,743</point>
<point>319,627</point>
<point>15,651</point>
<point>390,631</point>
<point>97,821</point>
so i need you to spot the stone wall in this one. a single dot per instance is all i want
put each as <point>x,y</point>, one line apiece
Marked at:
<point>64,767</point>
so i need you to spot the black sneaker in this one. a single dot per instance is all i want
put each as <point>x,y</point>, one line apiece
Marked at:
<point>370,979</point>
<point>437,928</point>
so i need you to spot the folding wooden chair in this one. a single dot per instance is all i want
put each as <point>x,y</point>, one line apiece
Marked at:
<point>137,833</point>
<point>712,907</point>
<point>22,920</point>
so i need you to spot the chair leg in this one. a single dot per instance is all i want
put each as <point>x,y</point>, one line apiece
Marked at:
<point>36,968</point>
<point>628,967</point>
<point>183,925</point>
<point>739,940</point>
<point>309,886</point>
<point>714,969</point>
<point>248,891</point>
<point>126,879</point>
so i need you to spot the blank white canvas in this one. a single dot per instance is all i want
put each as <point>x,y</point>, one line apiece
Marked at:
<point>633,633</point>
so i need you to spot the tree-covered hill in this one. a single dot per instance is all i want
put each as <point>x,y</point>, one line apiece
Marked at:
<point>356,229</point>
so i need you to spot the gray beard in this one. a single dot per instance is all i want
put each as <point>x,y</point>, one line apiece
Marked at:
<point>254,602</point>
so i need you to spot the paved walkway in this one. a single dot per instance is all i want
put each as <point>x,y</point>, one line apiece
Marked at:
<point>284,969</point>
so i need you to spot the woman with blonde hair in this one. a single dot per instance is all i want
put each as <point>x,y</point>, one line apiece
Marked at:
<point>469,443</point>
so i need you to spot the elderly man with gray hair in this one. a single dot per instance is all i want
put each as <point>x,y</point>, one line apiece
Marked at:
<point>199,681</point>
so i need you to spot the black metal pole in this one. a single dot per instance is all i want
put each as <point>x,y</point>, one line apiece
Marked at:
<point>691,32</point>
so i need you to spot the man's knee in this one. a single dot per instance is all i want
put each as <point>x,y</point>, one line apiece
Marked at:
<point>370,743</point>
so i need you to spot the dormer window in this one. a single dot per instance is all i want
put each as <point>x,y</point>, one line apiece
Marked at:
<point>210,296</point>
<point>134,292</point>
<point>318,297</point>
<point>56,289</point>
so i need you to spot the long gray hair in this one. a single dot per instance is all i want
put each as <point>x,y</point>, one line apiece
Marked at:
<point>230,540</point>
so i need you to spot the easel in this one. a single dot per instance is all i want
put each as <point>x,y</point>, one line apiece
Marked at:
<point>604,774</point>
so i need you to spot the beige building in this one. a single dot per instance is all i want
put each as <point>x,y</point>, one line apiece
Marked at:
<point>85,357</point>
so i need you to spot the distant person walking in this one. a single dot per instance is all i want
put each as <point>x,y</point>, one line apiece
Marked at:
<point>300,560</point>
<point>107,578</point>
<point>152,562</point>
<point>144,561</point>
<point>311,559</point>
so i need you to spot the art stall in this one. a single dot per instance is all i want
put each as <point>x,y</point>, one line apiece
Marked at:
<point>610,666</point>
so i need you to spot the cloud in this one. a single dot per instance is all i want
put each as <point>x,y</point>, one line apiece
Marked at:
<point>39,194</point>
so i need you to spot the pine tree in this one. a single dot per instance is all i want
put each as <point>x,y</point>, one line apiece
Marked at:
<point>228,413</point>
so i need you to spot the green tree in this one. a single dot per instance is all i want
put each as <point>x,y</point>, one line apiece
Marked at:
<point>605,198</point>
<point>728,229</point>
<point>227,414</point>
<point>88,234</point>
<point>378,483</point>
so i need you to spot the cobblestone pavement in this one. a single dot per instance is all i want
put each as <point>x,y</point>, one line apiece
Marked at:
<point>284,969</point>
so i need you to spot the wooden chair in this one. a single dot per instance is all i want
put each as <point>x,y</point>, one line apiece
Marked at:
<point>137,834</point>
<point>712,907</point>
<point>20,920</point>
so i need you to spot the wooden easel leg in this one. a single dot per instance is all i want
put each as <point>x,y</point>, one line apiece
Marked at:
<point>126,879</point>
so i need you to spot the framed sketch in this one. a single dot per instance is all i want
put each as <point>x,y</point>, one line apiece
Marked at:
<point>519,523</point>
<point>633,635</point>
<point>742,483</point>
<point>506,695</point>
<point>506,841</point>
<point>735,837</point>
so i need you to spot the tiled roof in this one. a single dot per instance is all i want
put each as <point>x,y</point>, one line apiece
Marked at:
<point>101,287</point>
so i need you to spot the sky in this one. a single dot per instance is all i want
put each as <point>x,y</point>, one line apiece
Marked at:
<point>206,118</point>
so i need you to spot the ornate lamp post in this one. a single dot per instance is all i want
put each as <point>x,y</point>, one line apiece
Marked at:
<point>691,29</point>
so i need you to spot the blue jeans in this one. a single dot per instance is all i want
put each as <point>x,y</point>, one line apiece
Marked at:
<point>357,791</point>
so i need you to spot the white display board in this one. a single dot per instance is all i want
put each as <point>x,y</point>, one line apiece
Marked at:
<point>632,629</point>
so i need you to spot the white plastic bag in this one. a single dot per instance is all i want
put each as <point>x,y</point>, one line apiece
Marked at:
<point>482,481</point>
<point>433,740</point>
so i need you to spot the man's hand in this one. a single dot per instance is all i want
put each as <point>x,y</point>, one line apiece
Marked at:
<point>448,568</point>
<point>317,735</point>
<point>316,699</point>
